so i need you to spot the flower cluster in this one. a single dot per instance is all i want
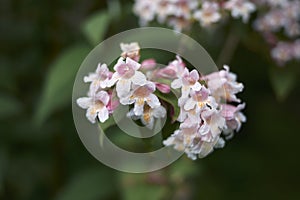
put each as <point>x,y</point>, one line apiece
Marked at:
<point>180,14</point>
<point>206,118</point>
<point>282,16</point>
<point>276,18</point>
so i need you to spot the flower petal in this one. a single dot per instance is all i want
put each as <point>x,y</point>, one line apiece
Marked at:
<point>123,87</point>
<point>84,102</point>
<point>190,104</point>
<point>139,78</point>
<point>153,101</point>
<point>177,83</point>
<point>103,114</point>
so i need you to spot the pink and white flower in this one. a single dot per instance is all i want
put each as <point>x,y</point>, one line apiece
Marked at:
<point>209,13</point>
<point>188,81</point>
<point>126,74</point>
<point>141,95</point>
<point>96,106</point>
<point>98,79</point>
<point>131,50</point>
<point>240,8</point>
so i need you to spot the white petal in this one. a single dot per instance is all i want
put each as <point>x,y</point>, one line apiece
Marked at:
<point>159,112</point>
<point>127,100</point>
<point>115,77</point>
<point>91,114</point>
<point>123,87</point>
<point>138,108</point>
<point>177,83</point>
<point>103,96</point>
<point>139,78</point>
<point>103,114</point>
<point>90,78</point>
<point>84,102</point>
<point>153,101</point>
<point>197,86</point>
<point>190,104</point>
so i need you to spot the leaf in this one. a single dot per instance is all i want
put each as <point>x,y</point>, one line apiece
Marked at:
<point>136,187</point>
<point>172,99</point>
<point>95,27</point>
<point>57,90</point>
<point>283,81</point>
<point>89,185</point>
<point>10,106</point>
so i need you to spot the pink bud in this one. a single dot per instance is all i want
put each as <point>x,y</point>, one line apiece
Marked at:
<point>148,64</point>
<point>164,88</point>
<point>113,102</point>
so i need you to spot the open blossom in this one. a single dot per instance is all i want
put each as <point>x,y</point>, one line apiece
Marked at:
<point>146,9</point>
<point>174,69</point>
<point>96,106</point>
<point>149,115</point>
<point>131,50</point>
<point>223,85</point>
<point>208,14</point>
<point>233,115</point>
<point>126,74</point>
<point>99,79</point>
<point>187,81</point>
<point>139,95</point>
<point>240,8</point>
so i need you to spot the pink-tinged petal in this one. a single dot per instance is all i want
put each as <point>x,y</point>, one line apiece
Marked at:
<point>167,72</point>
<point>103,97</point>
<point>90,78</point>
<point>139,78</point>
<point>103,114</point>
<point>135,65</point>
<point>127,100</point>
<point>115,77</point>
<point>185,91</point>
<point>194,75</point>
<point>139,107</point>
<point>190,104</point>
<point>177,83</point>
<point>91,114</point>
<point>148,64</point>
<point>84,102</point>
<point>153,101</point>
<point>123,87</point>
<point>164,88</point>
<point>119,62</point>
<point>197,86</point>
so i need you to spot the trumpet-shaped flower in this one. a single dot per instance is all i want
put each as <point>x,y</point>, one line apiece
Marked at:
<point>126,74</point>
<point>98,79</point>
<point>208,14</point>
<point>131,50</point>
<point>96,106</point>
<point>188,81</point>
<point>240,8</point>
<point>139,95</point>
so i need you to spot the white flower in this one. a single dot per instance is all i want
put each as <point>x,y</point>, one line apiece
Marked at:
<point>131,50</point>
<point>188,81</point>
<point>223,85</point>
<point>96,106</point>
<point>126,74</point>
<point>208,14</point>
<point>139,95</point>
<point>240,8</point>
<point>99,79</point>
<point>149,115</point>
<point>146,10</point>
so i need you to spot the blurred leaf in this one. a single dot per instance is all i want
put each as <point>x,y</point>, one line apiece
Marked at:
<point>91,184</point>
<point>136,187</point>
<point>283,81</point>
<point>57,90</point>
<point>183,168</point>
<point>171,99</point>
<point>10,106</point>
<point>95,27</point>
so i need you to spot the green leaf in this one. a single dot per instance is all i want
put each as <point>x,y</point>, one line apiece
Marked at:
<point>283,81</point>
<point>95,27</point>
<point>136,187</point>
<point>57,90</point>
<point>172,99</point>
<point>91,184</point>
<point>10,106</point>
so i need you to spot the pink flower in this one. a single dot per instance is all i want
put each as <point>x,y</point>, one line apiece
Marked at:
<point>96,106</point>
<point>139,95</point>
<point>126,74</point>
<point>234,118</point>
<point>148,64</point>
<point>98,79</point>
<point>131,50</point>
<point>208,14</point>
<point>164,88</point>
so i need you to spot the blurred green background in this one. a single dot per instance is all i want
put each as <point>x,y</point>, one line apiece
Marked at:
<point>42,157</point>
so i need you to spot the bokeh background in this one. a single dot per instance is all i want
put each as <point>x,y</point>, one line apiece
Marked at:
<point>42,44</point>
